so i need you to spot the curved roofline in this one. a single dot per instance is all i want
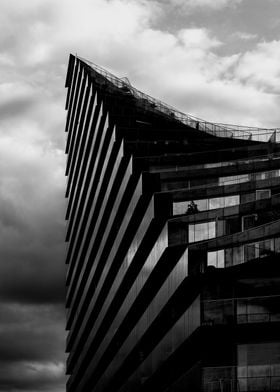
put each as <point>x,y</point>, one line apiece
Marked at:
<point>215,129</point>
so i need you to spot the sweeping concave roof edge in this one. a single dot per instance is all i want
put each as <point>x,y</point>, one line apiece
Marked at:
<point>216,129</point>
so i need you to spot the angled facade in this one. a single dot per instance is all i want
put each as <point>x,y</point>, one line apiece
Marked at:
<point>173,233</point>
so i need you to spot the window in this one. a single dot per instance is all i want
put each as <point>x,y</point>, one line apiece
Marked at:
<point>265,248</point>
<point>216,258</point>
<point>248,221</point>
<point>247,197</point>
<point>232,200</point>
<point>233,179</point>
<point>261,176</point>
<point>263,194</point>
<point>222,202</point>
<point>202,231</point>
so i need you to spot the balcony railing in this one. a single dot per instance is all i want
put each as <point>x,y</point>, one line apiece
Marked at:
<point>244,253</point>
<point>244,310</point>
<point>242,379</point>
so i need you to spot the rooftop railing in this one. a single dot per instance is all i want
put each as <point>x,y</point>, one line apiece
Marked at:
<point>156,105</point>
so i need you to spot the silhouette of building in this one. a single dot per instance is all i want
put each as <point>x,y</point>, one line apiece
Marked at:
<point>173,239</point>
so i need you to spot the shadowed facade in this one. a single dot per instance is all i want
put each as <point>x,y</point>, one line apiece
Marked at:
<point>173,232</point>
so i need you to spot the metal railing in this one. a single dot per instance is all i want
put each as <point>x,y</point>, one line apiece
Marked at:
<point>241,379</point>
<point>156,105</point>
<point>245,310</point>
<point>245,384</point>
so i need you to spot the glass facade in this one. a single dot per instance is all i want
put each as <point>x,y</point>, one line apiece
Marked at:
<point>241,379</point>
<point>258,366</point>
<point>243,253</point>
<point>244,310</point>
<point>173,239</point>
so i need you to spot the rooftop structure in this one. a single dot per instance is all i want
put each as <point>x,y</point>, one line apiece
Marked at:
<point>150,103</point>
<point>173,245</point>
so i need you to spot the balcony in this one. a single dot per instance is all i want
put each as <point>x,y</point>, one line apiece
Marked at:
<point>258,378</point>
<point>241,310</point>
<point>243,253</point>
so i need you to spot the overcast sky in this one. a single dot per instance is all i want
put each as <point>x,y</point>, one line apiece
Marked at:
<point>215,59</point>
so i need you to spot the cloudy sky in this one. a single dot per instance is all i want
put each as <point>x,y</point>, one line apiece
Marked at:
<point>215,59</point>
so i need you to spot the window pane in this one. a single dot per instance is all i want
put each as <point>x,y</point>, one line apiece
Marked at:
<point>191,233</point>
<point>202,205</point>
<point>212,258</point>
<point>221,258</point>
<point>232,200</point>
<point>202,231</point>
<point>263,194</point>
<point>248,221</point>
<point>217,202</point>
<point>216,258</point>
<point>246,198</point>
<point>211,230</point>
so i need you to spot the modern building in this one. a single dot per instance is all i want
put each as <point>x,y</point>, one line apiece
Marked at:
<point>173,280</point>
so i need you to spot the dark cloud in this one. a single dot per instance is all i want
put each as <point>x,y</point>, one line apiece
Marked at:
<point>27,282</point>
<point>34,332</point>
<point>31,347</point>
<point>31,225</point>
<point>31,377</point>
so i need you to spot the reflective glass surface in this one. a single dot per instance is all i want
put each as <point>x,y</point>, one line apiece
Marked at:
<point>246,310</point>
<point>241,379</point>
<point>202,231</point>
<point>243,253</point>
<point>216,258</point>
<point>228,180</point>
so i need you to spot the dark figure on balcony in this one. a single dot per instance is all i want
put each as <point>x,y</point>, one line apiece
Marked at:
<point>192,208</point>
